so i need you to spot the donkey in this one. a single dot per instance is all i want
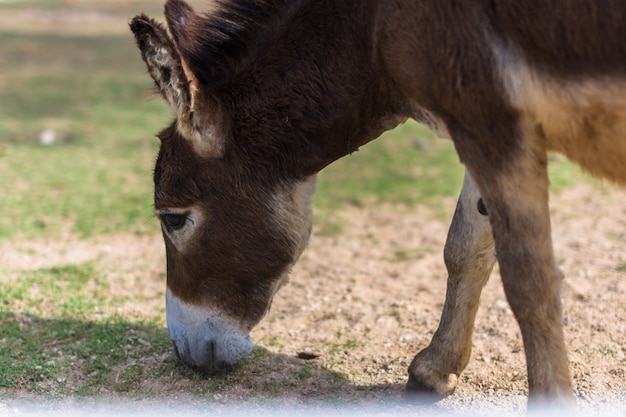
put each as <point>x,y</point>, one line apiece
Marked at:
<point>266,93</point>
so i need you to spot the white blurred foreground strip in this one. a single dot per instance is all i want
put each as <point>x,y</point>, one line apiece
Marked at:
<point>290,408</point>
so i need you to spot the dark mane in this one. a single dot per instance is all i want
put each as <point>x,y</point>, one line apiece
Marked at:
<point>220,42</point>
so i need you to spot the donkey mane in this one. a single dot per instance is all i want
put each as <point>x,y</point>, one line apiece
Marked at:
<point>218,44</point>
<point>249,59</point>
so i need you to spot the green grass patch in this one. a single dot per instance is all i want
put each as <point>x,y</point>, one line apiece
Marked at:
<point>96,178</point>
<point>607,350</point>
<point>60,336</point>
<point>408,165</point>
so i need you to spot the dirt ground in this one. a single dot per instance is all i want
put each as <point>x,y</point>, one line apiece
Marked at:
<point>362,303</point>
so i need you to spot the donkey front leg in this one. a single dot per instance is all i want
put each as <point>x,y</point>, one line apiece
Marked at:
<point>517,199</point>
<point>469,257</point>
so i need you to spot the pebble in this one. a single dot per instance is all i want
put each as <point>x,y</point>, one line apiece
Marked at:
<point>47,137</point>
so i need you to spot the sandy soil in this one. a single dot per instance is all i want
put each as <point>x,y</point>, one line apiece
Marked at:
<point>364,302</point>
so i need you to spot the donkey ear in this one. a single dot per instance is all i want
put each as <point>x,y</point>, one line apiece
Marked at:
<point>178,14</point>
<point>185,26</point>
<point>163,62</point>
<point>195,38</point>
<point>175,83</point>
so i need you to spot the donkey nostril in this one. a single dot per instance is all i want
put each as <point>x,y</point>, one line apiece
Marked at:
<point>212,363</point>
<point>208,362</point>
<point>210,354</point>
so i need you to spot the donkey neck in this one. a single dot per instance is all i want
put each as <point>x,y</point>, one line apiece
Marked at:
<point>315,90</point>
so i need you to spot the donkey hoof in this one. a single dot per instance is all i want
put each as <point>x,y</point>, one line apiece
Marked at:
<point>424,380</point>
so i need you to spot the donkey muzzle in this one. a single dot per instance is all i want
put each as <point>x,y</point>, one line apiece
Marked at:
<point>205,340</point>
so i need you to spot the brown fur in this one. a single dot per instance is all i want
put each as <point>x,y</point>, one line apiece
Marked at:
<point>267,93</point>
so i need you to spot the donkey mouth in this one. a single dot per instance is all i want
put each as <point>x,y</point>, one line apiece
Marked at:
<point>204,339</point>
<point>208,364</point>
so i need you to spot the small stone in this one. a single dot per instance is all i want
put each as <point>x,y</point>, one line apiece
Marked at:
<point>307,355</point>
<point>47,137</point>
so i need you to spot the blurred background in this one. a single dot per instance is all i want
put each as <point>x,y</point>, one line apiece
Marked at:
<point>78,122</point>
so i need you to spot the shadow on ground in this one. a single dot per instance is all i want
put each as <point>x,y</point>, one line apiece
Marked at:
<point>116,358</point>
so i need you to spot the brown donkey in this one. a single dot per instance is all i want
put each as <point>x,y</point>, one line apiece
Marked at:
<point>267,93</point>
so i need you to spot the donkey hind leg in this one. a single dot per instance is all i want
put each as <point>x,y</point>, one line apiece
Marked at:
<point>469,257</point>
<point>517,199</point>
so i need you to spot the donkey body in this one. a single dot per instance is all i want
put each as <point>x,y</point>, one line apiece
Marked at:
<point>267,93</point>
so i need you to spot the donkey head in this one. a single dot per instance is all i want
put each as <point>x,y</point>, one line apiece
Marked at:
<point>234,220</point>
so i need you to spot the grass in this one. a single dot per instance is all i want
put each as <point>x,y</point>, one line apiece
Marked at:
<point>607,350</point>
<point>92,92</point>
<point>62,336</point>
<point>60,333</point>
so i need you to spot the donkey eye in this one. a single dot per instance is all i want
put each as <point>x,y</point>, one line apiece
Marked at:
<point>173,221</point>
